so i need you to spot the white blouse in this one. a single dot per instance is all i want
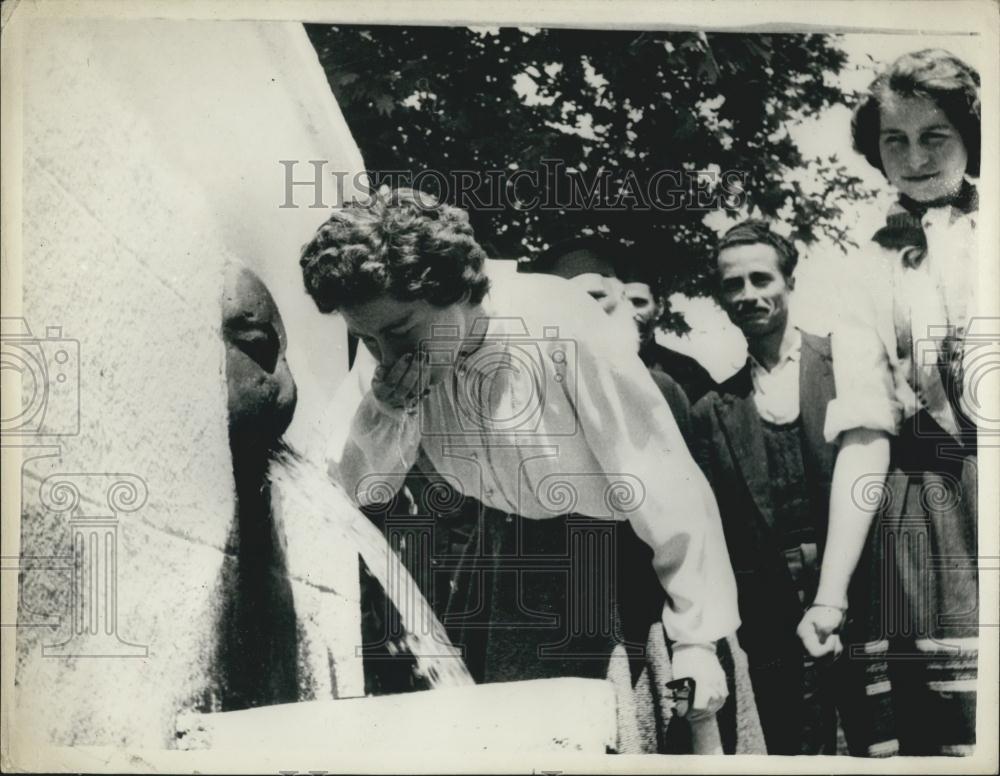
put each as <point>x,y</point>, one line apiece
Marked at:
<point>552,416</point>
<point>886,303</point>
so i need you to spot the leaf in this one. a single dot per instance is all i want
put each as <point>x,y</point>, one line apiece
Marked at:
<point>384,104</point>
<point>708,69</point>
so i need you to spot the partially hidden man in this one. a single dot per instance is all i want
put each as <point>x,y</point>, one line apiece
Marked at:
<point>759,438</point>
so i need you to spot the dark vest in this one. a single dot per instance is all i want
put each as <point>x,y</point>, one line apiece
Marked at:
<point>729,445</point>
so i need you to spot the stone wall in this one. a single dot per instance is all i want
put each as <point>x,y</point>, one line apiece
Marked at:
<point>151,158</point>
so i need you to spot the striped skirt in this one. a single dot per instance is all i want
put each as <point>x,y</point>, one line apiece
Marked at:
<point>918,637</point>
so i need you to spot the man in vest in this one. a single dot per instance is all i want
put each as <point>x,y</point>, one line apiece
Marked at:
<point>759,438</point>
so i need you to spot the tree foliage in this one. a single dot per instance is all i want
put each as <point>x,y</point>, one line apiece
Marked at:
<point>624,104</point>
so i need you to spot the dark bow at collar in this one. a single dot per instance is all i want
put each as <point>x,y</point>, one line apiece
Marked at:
<point>904,229</point>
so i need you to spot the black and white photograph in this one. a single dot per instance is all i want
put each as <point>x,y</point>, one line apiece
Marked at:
<point>550,388</point>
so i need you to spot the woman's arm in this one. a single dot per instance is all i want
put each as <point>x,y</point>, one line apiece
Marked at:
<point>863,458</point>
<point>631,431</point>
<point>863,415</point>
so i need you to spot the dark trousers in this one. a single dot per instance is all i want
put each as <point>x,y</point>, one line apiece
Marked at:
<point>801,701</point>
<point>804,703</point>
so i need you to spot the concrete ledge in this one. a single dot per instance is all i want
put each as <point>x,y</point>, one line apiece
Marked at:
<point>544,715</point>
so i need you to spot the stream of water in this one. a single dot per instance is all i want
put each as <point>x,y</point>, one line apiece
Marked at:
<point>309,495</point>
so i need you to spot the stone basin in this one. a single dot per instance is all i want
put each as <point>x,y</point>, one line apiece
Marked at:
<point>540,715</point>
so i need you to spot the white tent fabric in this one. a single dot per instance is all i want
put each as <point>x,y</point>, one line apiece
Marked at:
<point>151,158</point>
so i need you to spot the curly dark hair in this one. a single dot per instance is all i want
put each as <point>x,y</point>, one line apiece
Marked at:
<point>753,231</point>
<point>935,74</point>
<point>399,242</point>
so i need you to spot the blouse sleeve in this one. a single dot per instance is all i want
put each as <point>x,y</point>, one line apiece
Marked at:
<point>863,343</point>
<point>371,447</point>
<point>631,431</point>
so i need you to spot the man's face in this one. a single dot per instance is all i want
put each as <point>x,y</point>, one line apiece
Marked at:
<point>645,310</point>
<point>752,289</point>
<point>261,389</point>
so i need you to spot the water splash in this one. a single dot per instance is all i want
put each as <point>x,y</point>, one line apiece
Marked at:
<point>308,494</point>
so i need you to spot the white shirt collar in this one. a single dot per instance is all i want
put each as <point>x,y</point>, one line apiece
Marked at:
<point>776,391</point>
<point>790,350</point>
